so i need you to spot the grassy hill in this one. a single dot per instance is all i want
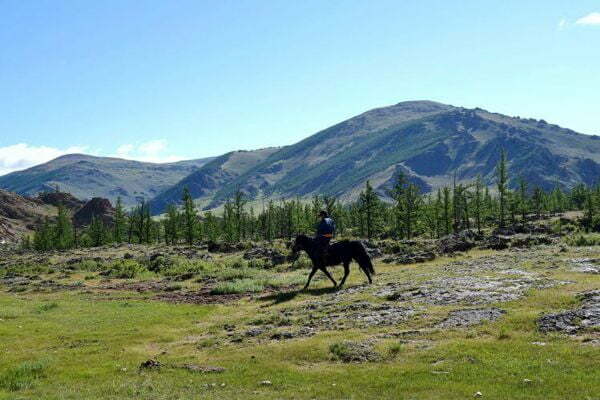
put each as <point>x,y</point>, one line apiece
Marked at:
<point>87,176</point>
<point>430,142</point>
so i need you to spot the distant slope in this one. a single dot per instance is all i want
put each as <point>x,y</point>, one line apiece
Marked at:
<point>429,141</point>
<point>87,176</point>
<point>212,177</point>
<point>19,215</point>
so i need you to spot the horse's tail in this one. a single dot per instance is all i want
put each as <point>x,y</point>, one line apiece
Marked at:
<point>362,258</point>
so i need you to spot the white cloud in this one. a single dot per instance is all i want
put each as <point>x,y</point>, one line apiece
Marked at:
<point>562,24</point>
<point>124,150</point>
<point>150,151</point>
<point>21,156</point>
<point>590,19</point>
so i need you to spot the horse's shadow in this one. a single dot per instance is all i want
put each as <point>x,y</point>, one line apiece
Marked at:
<point>284,297</point>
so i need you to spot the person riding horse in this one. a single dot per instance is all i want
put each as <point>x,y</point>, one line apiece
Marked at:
<point>324,234</point>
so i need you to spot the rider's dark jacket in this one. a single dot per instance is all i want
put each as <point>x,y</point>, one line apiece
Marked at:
<point>326,228</point>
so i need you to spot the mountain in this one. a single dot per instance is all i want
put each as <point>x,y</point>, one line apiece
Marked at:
<point>430,142</point>
<point>19,215</point>
<point>212,177</point>
<point>87,176</point>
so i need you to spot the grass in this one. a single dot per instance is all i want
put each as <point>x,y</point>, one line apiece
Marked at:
<point>22,376</point>
<point>89,345</point>
<point>239,286</point>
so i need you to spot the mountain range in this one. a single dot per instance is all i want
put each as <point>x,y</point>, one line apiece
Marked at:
<point>432,143</point>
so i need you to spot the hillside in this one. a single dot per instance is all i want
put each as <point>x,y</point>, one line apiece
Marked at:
<point>212,177</point>
<point>429,141</point>
<point>20,214</point>
<point>87,176</point>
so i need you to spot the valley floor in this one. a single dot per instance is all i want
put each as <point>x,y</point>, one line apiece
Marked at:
<point>452,328</point>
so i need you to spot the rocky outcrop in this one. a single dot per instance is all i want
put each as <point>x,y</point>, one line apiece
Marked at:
<point>98,208</point>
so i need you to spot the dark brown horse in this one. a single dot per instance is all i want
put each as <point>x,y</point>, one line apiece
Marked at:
<point>342,252</point>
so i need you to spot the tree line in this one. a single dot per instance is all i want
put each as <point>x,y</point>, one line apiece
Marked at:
<point>405,214</point>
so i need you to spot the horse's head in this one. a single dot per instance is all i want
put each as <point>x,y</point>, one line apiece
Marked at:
<point>301,243</point>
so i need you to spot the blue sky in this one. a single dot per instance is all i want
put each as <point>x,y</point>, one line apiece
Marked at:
<point>168,80</point>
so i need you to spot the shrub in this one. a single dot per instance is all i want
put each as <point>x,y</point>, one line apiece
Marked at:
<point>125,269</point>
<point>584,240</point>
<point>47,307</point>
<point>23,376</point>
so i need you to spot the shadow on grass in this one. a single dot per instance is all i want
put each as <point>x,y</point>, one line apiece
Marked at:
<point>283,297</point>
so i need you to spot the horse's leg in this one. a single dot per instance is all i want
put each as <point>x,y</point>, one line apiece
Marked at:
<point>312,272</point>
<point>346,273</point>
<point>329,276</point>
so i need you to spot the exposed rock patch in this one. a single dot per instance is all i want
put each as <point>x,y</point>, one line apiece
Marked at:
<point>586,265</point>
<point>330,315</point>
<point>574,321</point>
<point>462,318</point>
<point>349,351</point>
<point>272,256</point>
<point>468,290</point>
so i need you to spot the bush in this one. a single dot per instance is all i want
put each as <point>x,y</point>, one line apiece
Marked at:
<point>22,376</point>
<point>125,269</point>
<point>239,286</point>
<point>584,240</point>
<point>47,307</point>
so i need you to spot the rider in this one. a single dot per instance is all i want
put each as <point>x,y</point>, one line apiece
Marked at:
<point>325,231</point>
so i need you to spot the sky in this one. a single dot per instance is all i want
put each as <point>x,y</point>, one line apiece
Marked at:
<point>160,81</point>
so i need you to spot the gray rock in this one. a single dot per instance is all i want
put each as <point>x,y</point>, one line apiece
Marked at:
<point>461,318</point>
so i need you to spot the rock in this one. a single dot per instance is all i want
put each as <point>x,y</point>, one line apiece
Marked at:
<point>461,318</point>
<point>474,290</point>
<point>273,256</point>
<point>150,364</point>
<point>330,315</point>
<point>495,242</point>
<point>254,332</point>
<point>205,369</point>
<point>478,394</point>
<point>349,351</point>
<point>266,383</point>
<point>574,321</point>
<point>97,207</point>
<point>410,258</point>
<point>586,265</point>
<point>461,241</point>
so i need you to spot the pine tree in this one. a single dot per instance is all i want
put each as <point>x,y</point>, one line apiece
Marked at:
<point>171,224</point>
<point>523,200</point>
<point>502,183</point>
<point>63,230</point>
<point>97,232</point>
<point>120,220</point>
<point>190,217</point>
<point>478,204</point>
<point>370,206</point>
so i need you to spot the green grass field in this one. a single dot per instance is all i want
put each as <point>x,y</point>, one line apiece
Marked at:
<point>88,343</point>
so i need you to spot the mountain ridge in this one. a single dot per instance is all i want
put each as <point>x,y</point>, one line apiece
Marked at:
<point>431,142</point>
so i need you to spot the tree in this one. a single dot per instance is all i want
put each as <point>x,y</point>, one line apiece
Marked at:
<point>63,230</point>
<point>478,204</point>
<point>523,201</point>
<point>190,216</point>
<point>120,220</point>
<point>370,207</point>
<point>239,202</point>
<point>502,183</point>
<point>171,224</point>
<point>408,200</point>
<point>97,232</point>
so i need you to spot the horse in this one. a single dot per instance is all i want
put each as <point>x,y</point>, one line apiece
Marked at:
<point>342,252</point>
